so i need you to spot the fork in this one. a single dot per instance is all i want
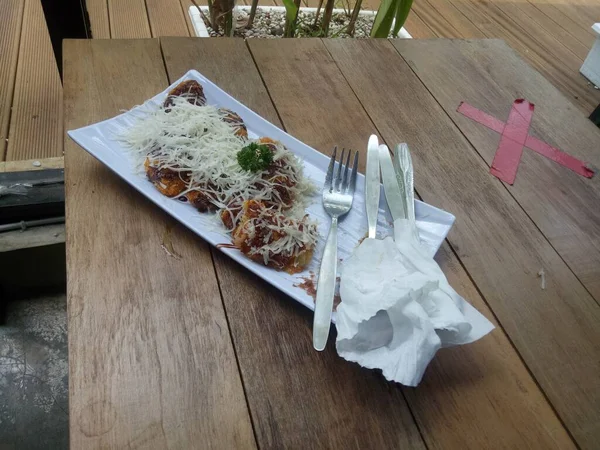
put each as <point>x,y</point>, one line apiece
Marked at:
<point>338,193</point>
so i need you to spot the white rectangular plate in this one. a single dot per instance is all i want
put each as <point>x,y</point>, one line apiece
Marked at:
<point>99,140</point>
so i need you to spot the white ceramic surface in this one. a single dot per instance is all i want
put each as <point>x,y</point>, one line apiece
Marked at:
<point>99,140</point>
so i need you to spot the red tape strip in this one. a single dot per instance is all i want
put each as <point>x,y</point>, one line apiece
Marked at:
<point>562,158</point>
<point>538,146</point>
<point>508,155</point>
<point>480,117</point>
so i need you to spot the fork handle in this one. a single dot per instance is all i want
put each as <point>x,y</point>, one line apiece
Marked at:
<point>325,289</point>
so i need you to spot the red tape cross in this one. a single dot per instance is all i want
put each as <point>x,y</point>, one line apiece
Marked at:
<point>508,155</point>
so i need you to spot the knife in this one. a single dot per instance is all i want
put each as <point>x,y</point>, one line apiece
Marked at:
<point>372,185</point>
<point>393,195</point>
<point>404,170</point>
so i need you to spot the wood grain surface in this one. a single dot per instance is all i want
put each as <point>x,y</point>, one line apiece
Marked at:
<point>11,17</point>
<point>185,7</point>
<point>418,28</point>
<point>524,16</point>
<point>460,25</point>
<point>298,398</point>
<point>495,23</point>
<point>478,416</point>
<point>138,18</point>
<point>162,359</point>
<point>555,330</point>
<point>435,20</point>
<point>36,121</point>
<point>584,13</point>
<point>581,31</point>
<point>128,19</point>
<point>31,238</point>
<point>320,95</point>
<point>98,14</point>
<point>552,36</point>
<point>557,199</point>
<point>57,162</point>
<point>151,362</point>
<point>537,19</point>
<point>167,18</point>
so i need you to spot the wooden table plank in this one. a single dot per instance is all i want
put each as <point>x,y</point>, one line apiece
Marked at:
<point>556,329</point>
<point>301,79</point>
<point>298,398</point>
<point>547,25</point>
<point>582,32</point>
<point>98,14</point>
<point>305,68</point>
<point>436,20</point>
<point>151,361</point>
<point>585,15</point>
<point>494,23</point>
<point>554,46</point>
<point>11,17</point>
<point>417,28</point>
<point>185,6</point>
<point>128,19</point>
<point>557,199</point>
<point>167,18</point>
<point>482,395</point>
<point>36,124</point>
<point>456,19</point>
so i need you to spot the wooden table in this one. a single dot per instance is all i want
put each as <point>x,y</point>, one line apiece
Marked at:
<point>197,352</point>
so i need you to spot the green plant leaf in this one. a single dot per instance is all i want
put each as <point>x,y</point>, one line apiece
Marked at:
<point>401,15</point>
<point>291,10</point>
<point>384,18</point>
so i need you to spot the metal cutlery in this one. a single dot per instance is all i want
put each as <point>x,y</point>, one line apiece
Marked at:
<point>338,193</point>
<point>372,185</point>
<point>393,193</point>
<point>404,170</point>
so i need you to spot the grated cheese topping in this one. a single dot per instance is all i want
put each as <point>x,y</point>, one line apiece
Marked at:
<point>292,237</point>
<point>198,143</point>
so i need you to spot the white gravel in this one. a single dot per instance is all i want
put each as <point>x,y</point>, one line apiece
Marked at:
<point>270,25</point>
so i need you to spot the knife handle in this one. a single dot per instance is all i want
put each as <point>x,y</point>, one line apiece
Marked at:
<point>372,211</point>
<point>372,190</point>
<point>403,159</point>
<point>325,289</point>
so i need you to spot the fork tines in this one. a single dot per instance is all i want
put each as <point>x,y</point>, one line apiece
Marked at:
<point>341,182</point>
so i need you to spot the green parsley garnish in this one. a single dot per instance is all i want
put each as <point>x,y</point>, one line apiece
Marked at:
<point>255,157</point>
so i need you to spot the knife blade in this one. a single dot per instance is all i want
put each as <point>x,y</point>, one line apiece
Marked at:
<point>372,185</point>
<point>404,171</point>
<point>393,195</point>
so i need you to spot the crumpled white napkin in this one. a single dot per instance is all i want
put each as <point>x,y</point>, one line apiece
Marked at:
<point>398,309</point>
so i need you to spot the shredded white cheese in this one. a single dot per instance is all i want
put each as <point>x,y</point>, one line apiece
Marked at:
<point>198,143</point>
<point>294,235</point>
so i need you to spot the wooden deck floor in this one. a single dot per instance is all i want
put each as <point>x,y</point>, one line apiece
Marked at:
<point>554,36</point>
<point>30,88</point>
